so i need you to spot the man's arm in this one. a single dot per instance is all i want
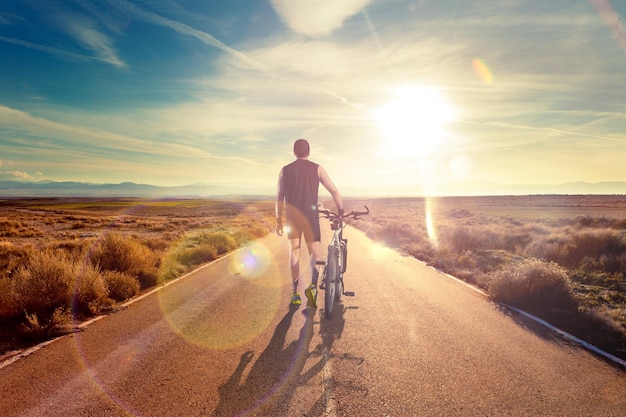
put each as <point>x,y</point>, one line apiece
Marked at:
<point>280,198</point>
<point>330,186</point>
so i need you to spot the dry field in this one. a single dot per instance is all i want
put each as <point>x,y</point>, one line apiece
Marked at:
<point>562,258</point>
<point>66,259</point>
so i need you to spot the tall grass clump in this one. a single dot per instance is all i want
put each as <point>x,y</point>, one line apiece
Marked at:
<point>120,286</point>
<point>196,255</point>
<point>89,292</point>
<point>220,241</point>
<point>533,284</point>
<point>11,256</point>
<point>8,299</point>
<point>116,253</point>
<point>44,284</point>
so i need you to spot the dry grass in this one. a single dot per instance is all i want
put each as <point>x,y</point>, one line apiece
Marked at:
<point>68,259</point>
<point>561,257</point>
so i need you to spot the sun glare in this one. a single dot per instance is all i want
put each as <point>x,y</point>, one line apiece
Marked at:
<point>413,121</point>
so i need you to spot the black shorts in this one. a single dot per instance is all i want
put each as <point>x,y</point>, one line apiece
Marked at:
<point>298,224</point>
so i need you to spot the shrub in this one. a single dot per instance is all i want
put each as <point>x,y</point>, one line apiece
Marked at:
<point>44,283</point>
<point>461,239</point>
<point>8,299</point>
<point>75,247</point>
<point>196,255</point>
<point>221,242</point>
<point>170,268</point>
<point>12,256</point>
<point>115,253</point>
<point>532,283</point>
<point>396,235</point>
<point>156,244</point>
<point>90,292</point>
<point>246,234</point>
<point>120,286</point>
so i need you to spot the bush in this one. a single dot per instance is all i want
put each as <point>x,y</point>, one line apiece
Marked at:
<point>115,253</point>
<point>221,242</point>
<point>90,291</point>
<point>44,283</point>
<point>197,255</point>
<point>247,234</point>
<point>11,257</point>
<point>8,299</point>
<point>119,285</point>
<point>532,283</point>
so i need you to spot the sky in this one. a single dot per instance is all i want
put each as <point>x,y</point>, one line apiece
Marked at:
<point>419,97</point>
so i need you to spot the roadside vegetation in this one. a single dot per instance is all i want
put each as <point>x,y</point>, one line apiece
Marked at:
<point>62,262</point>
<point>562,258</point>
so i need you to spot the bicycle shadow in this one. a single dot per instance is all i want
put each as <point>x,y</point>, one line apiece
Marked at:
<point>274,376</point>
<point>330,330</point>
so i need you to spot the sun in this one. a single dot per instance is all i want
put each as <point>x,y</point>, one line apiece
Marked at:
<point>413,121</point>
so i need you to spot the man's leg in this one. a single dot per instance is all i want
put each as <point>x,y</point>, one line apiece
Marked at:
<point>294,261</point>
<point>311,290</point>
<point>314,254</point>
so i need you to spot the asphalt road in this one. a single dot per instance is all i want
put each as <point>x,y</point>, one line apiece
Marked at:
<point>224,342</point>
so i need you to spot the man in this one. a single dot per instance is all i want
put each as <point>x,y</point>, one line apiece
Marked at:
<point>298,185</point>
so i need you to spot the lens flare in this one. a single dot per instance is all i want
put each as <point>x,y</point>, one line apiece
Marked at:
<point>251,261</point>
<point>612,20</point>
<point>482,70</point>
<point>430,225</point>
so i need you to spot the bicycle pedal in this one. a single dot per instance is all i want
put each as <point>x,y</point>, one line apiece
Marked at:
<point>349,293</point>
<point>320,262</point>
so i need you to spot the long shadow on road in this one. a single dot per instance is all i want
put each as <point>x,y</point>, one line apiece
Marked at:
<point>280,370</point>
<point>273,378</point>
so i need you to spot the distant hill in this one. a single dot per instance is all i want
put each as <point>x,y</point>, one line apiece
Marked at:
<point>492,189</point>
<point>130,189</point>
<point>125,189</point>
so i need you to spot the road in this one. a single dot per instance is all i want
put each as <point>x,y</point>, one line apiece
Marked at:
<point>223,342</point>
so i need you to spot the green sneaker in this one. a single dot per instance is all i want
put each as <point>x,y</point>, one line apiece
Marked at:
<point>311,295</point>
<point>295,299</point>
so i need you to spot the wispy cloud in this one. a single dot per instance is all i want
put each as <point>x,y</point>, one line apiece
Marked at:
<point>54,51</point>
<point>182,28</point>
<point>85,34</point>
<point>15,175</point>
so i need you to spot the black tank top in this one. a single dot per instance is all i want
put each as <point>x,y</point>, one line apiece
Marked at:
<point>301,184</point>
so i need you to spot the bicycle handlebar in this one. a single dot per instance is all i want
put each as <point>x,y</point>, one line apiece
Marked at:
<point>327,214</point>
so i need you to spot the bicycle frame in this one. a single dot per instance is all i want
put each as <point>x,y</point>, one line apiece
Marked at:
<point>335,264</point>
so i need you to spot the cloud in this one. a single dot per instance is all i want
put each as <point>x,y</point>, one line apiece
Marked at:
<point>54,51</point>
<point>94,40</point>
<point>184,29</point>
<point>16,175</point>
<point>317,17</point>
<point>52,135</point>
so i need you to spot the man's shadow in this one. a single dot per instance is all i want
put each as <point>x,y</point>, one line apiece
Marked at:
<point>273,377</point>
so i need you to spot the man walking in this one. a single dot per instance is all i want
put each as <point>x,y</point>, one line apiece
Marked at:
<point>298,185</point>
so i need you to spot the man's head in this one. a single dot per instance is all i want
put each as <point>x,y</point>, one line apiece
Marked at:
<point>301,148</point>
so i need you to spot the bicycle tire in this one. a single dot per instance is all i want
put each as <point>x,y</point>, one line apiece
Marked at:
<point>339,288</point>
<point>330,277</point>
<point>340,271</point>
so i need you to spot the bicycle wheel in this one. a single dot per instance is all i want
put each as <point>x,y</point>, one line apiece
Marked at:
<point>330,277</point>
<point>338,288</point>
<point>339,274</point>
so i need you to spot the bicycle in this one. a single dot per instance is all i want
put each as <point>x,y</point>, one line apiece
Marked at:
<point>336,261</point>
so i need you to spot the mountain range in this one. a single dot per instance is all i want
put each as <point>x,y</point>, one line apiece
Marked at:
<point>131,189</point>
<point>124,189</point>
